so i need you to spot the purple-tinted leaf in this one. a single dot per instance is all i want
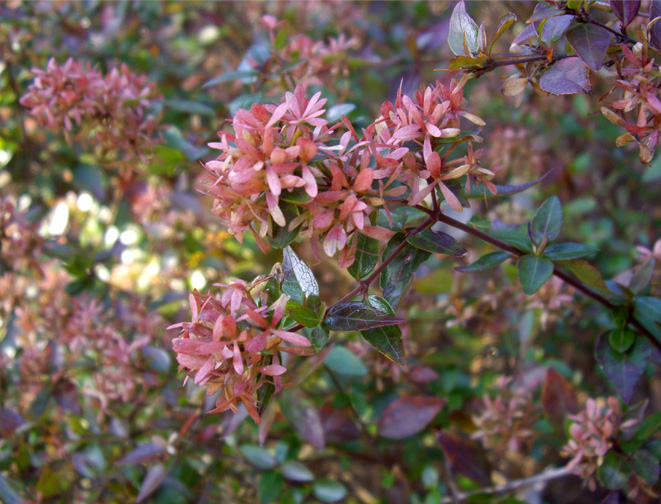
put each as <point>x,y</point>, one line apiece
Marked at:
<point>367,255</point>
<point>409,415</point>
<point>505,22</point>
<point>423,374</point>
<point>625,10</point>
<point>646,466</point>
<point>528,35</point>
<point>554,28</point>
<point>357,316</point>
<point>301,413</point>
<point>388,339</point>
<point>9,492</point>
<point>152,481</point>
<point>567,76</point>
<point>591,43</point>
<point>642,277</point>
<point>437,242</point>
<point>143,453</point>
<point>232,421</point>
<point>544,11</point>
<point>463,31</point>
<point>480,192</point>
<point>9,422</point>
<point>559,398</point>
<point>655,29</point>
<point>623,369</point>
<point>66,396</point>
<point>466,457</point>
<point>338,425</point>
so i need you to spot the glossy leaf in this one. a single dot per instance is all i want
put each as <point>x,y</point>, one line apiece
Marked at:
<point>566,76</point>
<point>621,339</point>
<point>591,44</point>
<point>623,369</point>
<point>357,316</point>
<point>655,29</point>
<point>586,273</point>
<point>625,10</point>
<point>642,277</point>
<point>299,281</point>
<point>295,471</point>
<point>344,361</point>
<point>544,11</point>
<point>367,255</point>
<point>303,416</point>
<point>437,242</point>
<point>305,316</point>
<point>388,339</point>
<point>259,457</point>
<point>646,466</point>
<point>397,276</point>
<point>152,481</point>
<point>555,27</point>
<point>328,490</point>
<point>282,236</point>
<point>559,398</point>
<point>503,25</point>
<point>407,416</point>
<point>485,262</point>
<point>466,458</point>
<point>649,307</point>
<point>569,250</point>
<point>534,271</point>
<point>547,222</point>
<point>463,31</point>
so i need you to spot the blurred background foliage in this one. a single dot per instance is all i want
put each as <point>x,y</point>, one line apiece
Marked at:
<point>97,261</point>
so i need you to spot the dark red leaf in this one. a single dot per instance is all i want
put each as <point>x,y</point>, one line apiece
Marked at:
<point>466,457</point>
<point>559,398</point>
<point>423,374</point>
<point>409,415</point>
<point>301,413</point>
<point>567,76</point>
<point>625,10</point>
<point>66,396</point>
<point>338,424</point>
<point>655,29</point>
<point>590,43</point>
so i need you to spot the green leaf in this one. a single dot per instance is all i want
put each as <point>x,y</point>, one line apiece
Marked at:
<point>613,472</point>
<point>258,457</point>
<point>295,471</point>
<point>230,76</point>
<point>505,22</point>
<point>190,107</point>
<point>649,307</point>
<point>569,250</point>
<point>517,237</point>
<point>282,236</point>
<point>437,242</point>
<point>8,492</point>
<point>397,276</point>
<point>319,337</point>
<point>486,262</point>
<point>623,369</point>
<point>174,139</point>
<point>344,361</point>
<point>647,428</point>
<point>299,282</point>
<point>357,316</point>
<point>305,316</point>
<point>642,277</point>
<point>586,273</point>
<point>463,31</point>
<point>547,222</point>
<point>534,271</point>
<point>270,487</point>
<point>388,339</point>
<point>367,255</point>
<point>327,490</point>
<point>646,466</point>
<point>621,339</point>
<point>245,101</point>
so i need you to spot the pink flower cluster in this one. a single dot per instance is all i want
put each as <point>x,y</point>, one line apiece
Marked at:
<point>592,435</point>
<point>281,167</point>
<point>110,111</point>
<point>231,345</point>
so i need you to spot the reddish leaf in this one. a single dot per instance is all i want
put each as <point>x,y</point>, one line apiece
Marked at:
<point>338,424</point>
<point>466,457</point>
<point>625,10</point>
<point>143,453</point>
<point>66,396</point>
<point>655,29</point>
<point>152,481</point>
<point>409,415</point>
<point>558,398</point>
<point>590,43</point>
<point>423,374</point>
<point>301,413</point>
<point>567,76</point>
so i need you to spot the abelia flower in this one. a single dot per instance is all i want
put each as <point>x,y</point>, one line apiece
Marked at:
<point>231,345</point>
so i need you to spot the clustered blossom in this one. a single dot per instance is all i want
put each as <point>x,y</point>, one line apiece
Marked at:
<point>109,111</point>
<point>592,435</point>
<point>506,421</point>
<point>231,345</point>
<point>281,169</point>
